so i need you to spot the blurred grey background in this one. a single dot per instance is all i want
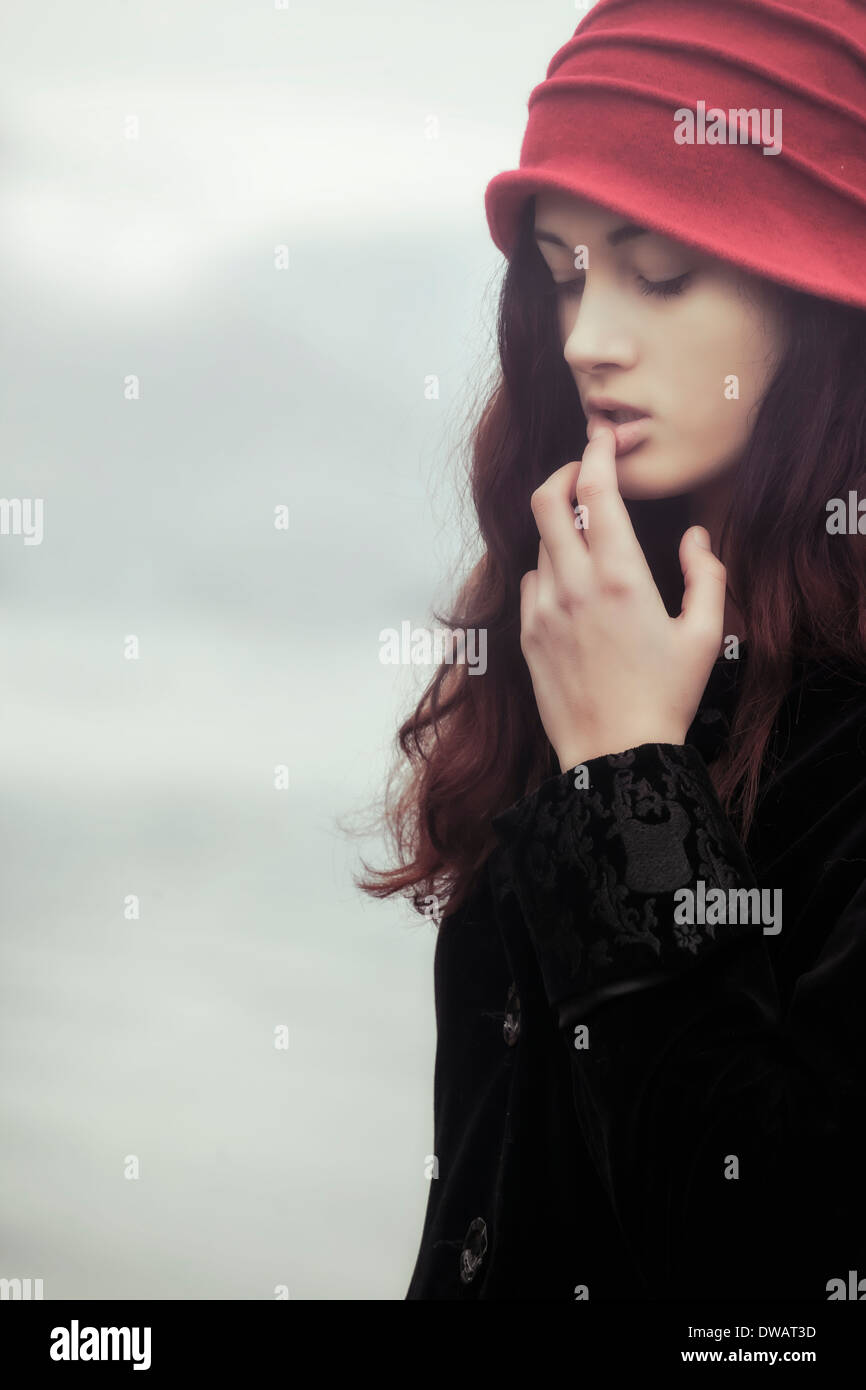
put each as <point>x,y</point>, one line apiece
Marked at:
<point>153,159</point>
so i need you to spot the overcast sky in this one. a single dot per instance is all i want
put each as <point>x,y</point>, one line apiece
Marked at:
<point>153,158</point>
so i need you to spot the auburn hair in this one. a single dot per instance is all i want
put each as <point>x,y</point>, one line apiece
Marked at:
<point>475,743</point>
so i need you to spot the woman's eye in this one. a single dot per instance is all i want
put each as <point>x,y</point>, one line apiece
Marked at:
<point>665,288</point>
<point>570,289</point>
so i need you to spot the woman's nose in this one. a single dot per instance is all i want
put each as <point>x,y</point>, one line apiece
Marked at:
<point>598,336</point>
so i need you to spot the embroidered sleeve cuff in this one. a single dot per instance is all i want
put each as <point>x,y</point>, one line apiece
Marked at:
<point>628,872</point>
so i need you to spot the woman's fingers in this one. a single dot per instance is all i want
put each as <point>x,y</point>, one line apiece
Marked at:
<point>606,543</point>
<point>537,585</point>
<point>553,509</point>
<point>545,568</point>
<point>613,545</point>
<point>703,608</point>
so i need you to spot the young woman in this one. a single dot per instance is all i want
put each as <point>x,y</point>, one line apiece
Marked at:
<point>646,823</point>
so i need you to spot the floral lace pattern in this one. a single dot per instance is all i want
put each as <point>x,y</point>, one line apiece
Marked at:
<point>595,869</point>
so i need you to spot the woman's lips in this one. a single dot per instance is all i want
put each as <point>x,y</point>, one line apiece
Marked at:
<point>627,435</point>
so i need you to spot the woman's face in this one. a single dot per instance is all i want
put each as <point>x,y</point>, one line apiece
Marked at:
<point>671,333</point>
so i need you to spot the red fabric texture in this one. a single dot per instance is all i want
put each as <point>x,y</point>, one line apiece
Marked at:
<point>602,125</point>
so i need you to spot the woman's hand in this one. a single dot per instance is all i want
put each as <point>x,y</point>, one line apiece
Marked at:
<point>610,669</point>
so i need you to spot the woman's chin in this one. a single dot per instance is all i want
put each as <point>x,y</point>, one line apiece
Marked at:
<point>643,475</point>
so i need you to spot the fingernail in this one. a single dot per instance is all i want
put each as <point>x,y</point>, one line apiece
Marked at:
<point>701,538</point>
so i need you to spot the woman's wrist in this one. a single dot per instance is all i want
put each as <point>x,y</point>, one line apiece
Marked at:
<point>582,751</point>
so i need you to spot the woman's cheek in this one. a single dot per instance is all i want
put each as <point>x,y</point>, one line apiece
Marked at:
<point>700,437</point>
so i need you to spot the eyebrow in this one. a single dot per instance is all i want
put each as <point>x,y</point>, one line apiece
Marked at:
<point>625,233</point>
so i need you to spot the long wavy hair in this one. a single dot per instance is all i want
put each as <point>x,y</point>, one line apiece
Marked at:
<point>475,744</point>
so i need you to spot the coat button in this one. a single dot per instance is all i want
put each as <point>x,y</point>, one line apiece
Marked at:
<point>511,1026</point>
<point>474,1248</point>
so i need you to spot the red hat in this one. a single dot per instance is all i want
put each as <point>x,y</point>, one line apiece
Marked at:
<point>737,128</point>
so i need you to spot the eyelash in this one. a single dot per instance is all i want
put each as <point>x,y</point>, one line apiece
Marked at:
<point>666,289</point>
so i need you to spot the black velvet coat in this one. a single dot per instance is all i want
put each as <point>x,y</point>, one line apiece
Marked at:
<point>631,1107</point>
